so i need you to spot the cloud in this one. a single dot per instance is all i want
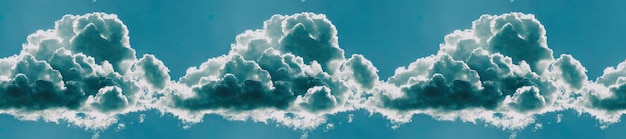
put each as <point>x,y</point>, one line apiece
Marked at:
<point>293,72</point>
<point>120,126</point>
<point>500,71</point>
<point>80,72</point>
<point>350,118</point>
<point>85,72</point>
<point>141,118</point>
<point>604,99</point>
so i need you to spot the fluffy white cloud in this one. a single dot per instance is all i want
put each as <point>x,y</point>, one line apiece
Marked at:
<point>80,72</point>
<point>498,72</point>
<point>292,71</point>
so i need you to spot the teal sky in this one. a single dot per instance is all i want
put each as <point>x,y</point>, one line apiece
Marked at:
<point>389,34</point>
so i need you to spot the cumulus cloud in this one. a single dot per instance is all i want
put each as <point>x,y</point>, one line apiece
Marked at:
<point>502,72</point>
<point>499,71</point>
<point>79,72</point>
<point>292,71</point>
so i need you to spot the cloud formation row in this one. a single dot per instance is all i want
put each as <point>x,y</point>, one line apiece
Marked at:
<point>292,71</point>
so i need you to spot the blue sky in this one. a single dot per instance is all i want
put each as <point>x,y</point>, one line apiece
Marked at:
<point>389,34</point>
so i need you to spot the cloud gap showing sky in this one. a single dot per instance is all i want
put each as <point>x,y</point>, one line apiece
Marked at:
<point>293,72</point>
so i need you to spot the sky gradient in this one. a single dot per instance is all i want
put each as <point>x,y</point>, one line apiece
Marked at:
<point>389,34</point>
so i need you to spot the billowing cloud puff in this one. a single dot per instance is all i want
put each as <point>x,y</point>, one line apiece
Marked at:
<point>569,73</point>
<point>309,36</point>
<point>151,72</point>
<point>360,72</point>
<point>605,99</point>
<point>291,71</point>
<point>77,72</point>
<point>101,36</point>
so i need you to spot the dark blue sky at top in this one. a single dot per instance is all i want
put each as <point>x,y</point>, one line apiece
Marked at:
<point>389,33</point>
